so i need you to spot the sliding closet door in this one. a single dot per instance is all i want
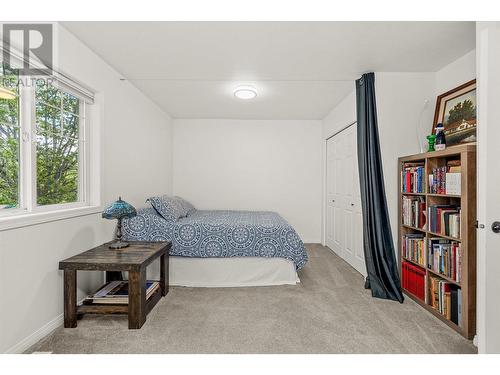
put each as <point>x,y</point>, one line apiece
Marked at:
<point>333,207</point>
<point>353,252</point>
<point>344,227</point>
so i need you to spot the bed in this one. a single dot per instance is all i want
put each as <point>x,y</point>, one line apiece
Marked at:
<point>224,248</point>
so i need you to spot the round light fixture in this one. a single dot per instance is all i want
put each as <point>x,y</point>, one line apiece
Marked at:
<point>245,92</point>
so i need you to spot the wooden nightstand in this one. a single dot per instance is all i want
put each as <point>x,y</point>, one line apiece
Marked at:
<point>133,259</point>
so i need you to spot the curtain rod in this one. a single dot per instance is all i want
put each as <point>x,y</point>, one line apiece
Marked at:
<point>233,80</point>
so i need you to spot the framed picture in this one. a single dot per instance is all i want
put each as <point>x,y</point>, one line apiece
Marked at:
<point>456,110</point>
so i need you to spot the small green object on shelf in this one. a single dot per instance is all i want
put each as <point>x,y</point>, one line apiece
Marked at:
<point>431,139</point>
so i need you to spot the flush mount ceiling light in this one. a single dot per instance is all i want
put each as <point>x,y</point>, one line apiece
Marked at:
<point>245,92</point>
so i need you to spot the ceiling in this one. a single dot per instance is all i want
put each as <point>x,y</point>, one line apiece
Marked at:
<point>300,69</point>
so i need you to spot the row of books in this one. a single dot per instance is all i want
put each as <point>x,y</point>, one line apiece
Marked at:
<point>412,176</point>
<point>446,179</point>
<point>116,292</point>
<point>413,279</point>
<point>445,257</point>
<point>446,298</point>
<point>414,247</point>
<point>444,219</point>
<point>414,213</point>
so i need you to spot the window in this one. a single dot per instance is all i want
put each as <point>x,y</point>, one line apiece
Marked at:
<point>57,146</point>
<point>44,153</point>
<point>9,141</point>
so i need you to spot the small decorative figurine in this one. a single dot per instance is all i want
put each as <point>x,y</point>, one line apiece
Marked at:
<point>431,139</point>
<point>440,138</point>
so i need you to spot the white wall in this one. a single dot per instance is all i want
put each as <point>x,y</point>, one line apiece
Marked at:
<point>342,115</point>
<point>457,72</point>
<point>136,163</point>
<point>252,165</point>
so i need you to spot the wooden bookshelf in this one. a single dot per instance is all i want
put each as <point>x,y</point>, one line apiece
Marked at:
<point>467,202</point>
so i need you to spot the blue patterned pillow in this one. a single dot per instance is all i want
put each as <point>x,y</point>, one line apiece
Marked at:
<point>168,207</point>
<point>186,206</point>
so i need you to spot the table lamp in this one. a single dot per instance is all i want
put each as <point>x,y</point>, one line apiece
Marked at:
<point>118,210</point>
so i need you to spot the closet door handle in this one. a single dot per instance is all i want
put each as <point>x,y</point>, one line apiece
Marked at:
<point>352,204</point>
<point>495,227</point>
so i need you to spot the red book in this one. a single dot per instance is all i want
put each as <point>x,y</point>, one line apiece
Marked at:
<point>408,182</point>
<point>404,277</point>
<point>422,219</point>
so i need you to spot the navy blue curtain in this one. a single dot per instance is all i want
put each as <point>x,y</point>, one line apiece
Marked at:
<point>382,270</point>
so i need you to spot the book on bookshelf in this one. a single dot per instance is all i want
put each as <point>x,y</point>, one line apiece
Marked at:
<point>444,219</point>
<point>445,257</point>
<point>414,212</point>
<point>446,179</point>
<point>414,247</point>
<point>446,298</point>
<point>116,292</point>
<point>413,279</point>
<point>412,177</point>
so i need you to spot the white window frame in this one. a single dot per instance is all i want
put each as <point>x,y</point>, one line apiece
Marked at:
<point>89,192</point>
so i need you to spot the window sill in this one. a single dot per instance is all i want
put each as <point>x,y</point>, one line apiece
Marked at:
<point>28,219</point>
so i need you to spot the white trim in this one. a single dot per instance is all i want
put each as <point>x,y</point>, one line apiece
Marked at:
<point>313,242</point>
<point>35,218</point>
<point>36,336</point>
<point>39,334</point>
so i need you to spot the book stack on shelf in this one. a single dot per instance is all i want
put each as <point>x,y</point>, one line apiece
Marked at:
<point>413,280</point>
<point>414,247</point>
<point>116,292</point>
<point>445,257</point>
<point>412,177</point>
<point>414,211</point>
<point>444,219</point>
<point>446,179</point>
<point>446,298</point>
<point>437,237</point>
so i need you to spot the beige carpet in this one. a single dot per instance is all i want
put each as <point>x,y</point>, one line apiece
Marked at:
<point>329,312</point>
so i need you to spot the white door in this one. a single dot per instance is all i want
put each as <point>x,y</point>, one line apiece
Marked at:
<point>333,207</point>
<point>353,203</point>
<point>344,227</point>
<point>488,194</point>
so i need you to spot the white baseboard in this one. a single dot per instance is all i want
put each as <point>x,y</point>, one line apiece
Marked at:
<point>36,336</point>
<point>315,241</point>
<point>39,334</point>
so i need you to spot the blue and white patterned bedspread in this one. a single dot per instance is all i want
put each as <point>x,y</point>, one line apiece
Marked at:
<point>205,234</point>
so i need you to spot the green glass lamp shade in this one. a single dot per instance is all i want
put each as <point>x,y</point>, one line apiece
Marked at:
<point>118,210</point>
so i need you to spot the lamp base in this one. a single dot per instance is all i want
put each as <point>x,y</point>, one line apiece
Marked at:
<point>118,245</point>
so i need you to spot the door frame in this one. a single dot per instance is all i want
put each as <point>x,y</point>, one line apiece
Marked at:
<point>325,164</point>
<point>487,302</point>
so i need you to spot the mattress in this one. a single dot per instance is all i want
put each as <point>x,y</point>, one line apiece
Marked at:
<point>220,234</point>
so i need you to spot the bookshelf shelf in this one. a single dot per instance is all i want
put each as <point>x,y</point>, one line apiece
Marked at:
<point>440,275</point>
<point>415,263</point>
<point>444,195</point>
<point>432,233</point>
<point>444,236</point>
<point>463,205</point>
